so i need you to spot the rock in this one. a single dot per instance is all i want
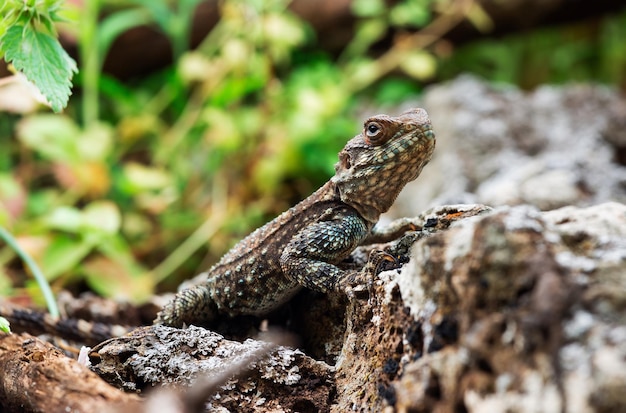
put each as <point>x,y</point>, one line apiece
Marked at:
<point>382,334</point>
<point>529,317</point>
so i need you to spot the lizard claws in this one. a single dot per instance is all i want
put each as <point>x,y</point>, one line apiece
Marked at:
<point>355,284</point>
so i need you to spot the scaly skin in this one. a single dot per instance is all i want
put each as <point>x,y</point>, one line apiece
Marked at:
<point>302,246</point>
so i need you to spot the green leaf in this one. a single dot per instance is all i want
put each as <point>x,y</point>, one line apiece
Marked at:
<point>116,273</point>
<point>368,8</point>
<point>4,325</point>
<point>98,218</point>
<point>65,218</point>
<point>44,62</point>
<point>64,255</point>
<point>411,13</point>
<point>54,137</point>
<point>419,64</point>
<point>102,216</point>
<point>368,32</point>
<point>141,178</point>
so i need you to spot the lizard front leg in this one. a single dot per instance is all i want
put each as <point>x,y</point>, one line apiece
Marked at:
<point>392,231</point>
<point>311,256</point>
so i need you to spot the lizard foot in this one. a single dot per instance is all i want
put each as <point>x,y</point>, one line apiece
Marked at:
<point>356,284</point>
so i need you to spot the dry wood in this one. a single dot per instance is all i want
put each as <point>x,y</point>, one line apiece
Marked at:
<point>37,377</point>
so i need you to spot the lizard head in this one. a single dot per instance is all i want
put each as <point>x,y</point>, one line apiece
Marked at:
<point>376,164</point>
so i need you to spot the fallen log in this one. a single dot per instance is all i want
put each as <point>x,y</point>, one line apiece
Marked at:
<point>37,377</point>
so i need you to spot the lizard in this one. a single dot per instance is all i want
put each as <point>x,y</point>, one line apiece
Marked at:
<point>302,247</point>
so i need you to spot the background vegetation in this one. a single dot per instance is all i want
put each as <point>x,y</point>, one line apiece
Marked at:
<point>141,183</point>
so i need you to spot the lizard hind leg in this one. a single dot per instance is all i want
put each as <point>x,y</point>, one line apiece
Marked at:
<point>191,306</point>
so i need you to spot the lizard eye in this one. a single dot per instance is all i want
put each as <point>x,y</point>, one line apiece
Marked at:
<point>373,132</point>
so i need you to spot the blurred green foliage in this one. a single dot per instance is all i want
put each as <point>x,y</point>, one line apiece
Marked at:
<point>149,181</point>
<point>587,51</point>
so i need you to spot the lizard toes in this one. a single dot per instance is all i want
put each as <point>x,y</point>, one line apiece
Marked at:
<point>354,286</point>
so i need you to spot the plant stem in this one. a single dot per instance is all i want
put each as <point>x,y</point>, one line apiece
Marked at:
<point>199,237</point>
<point>90,61</point>
<point>34,268</point>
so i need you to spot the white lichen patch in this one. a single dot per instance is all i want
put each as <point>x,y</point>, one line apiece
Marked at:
<point>521,218</point>
<point>579,324</point>
<point>281,367</point>
<point>389,281</point>
<point>410,280</point>
<point>572,261</point>
<point>536,395</point>
<point>460,244</point>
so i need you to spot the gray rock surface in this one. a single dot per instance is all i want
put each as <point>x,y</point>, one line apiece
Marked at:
<point>537,302</point>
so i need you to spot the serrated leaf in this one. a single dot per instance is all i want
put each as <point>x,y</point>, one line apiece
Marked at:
<point>47,22</point>
<point>43,61</point>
